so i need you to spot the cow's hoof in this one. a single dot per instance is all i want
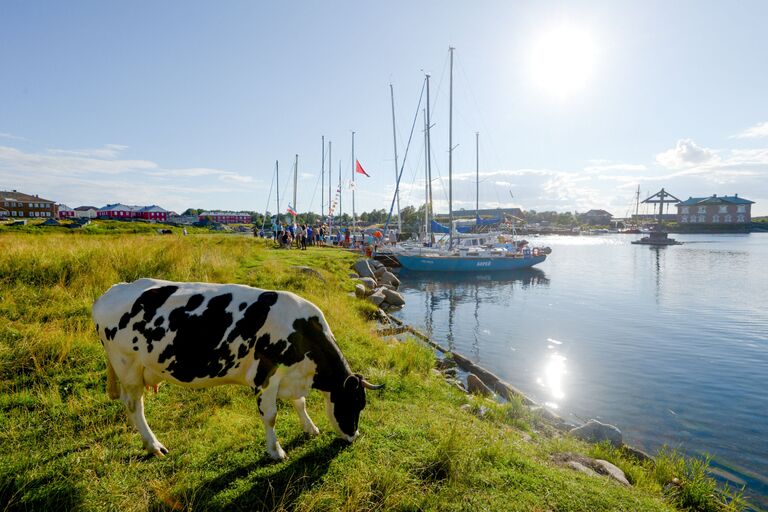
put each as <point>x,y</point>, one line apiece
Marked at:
<point>312,432</point>
<point>278,454</point>
<point>158,450</point>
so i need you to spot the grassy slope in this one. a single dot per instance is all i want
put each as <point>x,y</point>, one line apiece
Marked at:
<point>66,446</point>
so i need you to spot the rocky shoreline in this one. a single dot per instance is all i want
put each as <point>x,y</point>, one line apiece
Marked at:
<point>379,285</point>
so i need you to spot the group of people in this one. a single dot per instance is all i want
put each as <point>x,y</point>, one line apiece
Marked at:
<point>302,235</point>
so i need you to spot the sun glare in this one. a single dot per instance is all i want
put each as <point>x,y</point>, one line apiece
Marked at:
<point>562,60</point>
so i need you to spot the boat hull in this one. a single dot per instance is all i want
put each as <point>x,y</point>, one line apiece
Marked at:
<point>462,264</point>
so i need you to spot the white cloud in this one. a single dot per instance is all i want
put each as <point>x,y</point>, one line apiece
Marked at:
<point>107,151</point>
<point>686,154</point>
<point>758,131</point>
<point>608,167</point>
<point>10,136</point>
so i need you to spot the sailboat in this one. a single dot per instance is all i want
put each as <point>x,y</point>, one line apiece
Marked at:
<point>464,258</point>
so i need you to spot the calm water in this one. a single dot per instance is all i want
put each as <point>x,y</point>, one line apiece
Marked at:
<point>669,344</point>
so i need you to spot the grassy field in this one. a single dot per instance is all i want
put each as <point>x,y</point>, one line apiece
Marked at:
<point>65,446</point>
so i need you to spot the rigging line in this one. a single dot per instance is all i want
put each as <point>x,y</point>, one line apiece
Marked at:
<point>266,208</point>
<point>437,93</point>
<point>288,180</point>
<point>413,177</point>
<point>405,156</point>
<point>314,194</point>
<point>487,132</point>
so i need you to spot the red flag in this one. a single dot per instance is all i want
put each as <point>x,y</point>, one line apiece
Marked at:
<point>359,168</point>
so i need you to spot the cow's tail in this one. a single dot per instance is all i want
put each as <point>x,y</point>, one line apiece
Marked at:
<point>113,387</point>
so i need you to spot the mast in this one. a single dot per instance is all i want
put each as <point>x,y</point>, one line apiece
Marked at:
<point>450,154</point>
<point>637,206</point>
<point>322,181</point>
<point>477,177</point>
<point>340,188</point>
<point>295,186</point>
<point>426,179</point>
<point>354,215</point>
<point>329,178</point>
<point>429,172</point>
<point>394,142</point>
<point>277,196</point>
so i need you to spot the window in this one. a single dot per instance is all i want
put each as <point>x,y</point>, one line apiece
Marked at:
<point>702,218</point>
<point>723,209</point>
<point>741,209</point>
<point>728,218</point>
<point>740,218</point>
<point>684,219</point>
<point>702,209</point>
<point>693,219</point>
<point>715,218</point>
<point>13,213</point>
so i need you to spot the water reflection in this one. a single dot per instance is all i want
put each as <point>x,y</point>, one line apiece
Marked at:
<point>552,379</point>
<point>457,289</point>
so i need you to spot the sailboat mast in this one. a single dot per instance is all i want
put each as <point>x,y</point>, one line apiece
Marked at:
<point>340,187</point>
<point>322,181</point>
<point>637,205</point>
<point>394,142</point>
<point>426,179</point>
<point>295,186</point>
<point>329,178</point>
<point>429,172</point>
<point>477,177</point>
<point>450,154</point>
<point>277,196</point>
<point>354,215</point>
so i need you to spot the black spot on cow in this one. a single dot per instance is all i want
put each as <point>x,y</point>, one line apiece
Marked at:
<point>135,339</point>
<point>242,306</point>
<point>307,339</point>
<point>159,320</point>
<point>135,349</point>
<point>242,351</point>
<point>110,333</point>
<point>197,350</point>
<point>148,303</point>
<point>253,318</point>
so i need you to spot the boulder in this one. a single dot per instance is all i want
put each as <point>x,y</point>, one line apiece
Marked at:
<point>363,269</point>
<point>375,264</point>
<point>476,386</point>
<point>637,454</point>
<point>595,432</point>
<point>389,278</point>
<point>376,298</point>
<point>359,291</point>
<point>578,466</point>
<point>309,271</point>
<point>445,363</point>
<point>378,272</point>
<point>606,468</point>
<point>368,282</point>
<point>392,297</point>
<point>352,275</point>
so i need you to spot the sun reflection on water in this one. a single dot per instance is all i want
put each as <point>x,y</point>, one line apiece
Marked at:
<point>553,376</point>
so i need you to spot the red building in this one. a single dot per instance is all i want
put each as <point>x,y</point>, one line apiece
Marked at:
<point>226,217</point>
<point>120,211</point>
<point>715,210</point>
<point>65,212</point>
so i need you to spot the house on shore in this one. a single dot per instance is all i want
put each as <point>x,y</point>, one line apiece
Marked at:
<point>598,218</point>
<point>65,212</point>
<point>715,210</point>
<point>121,211</point>
<point>226,217</point>
<point>86,212</point>
<point>26,206</point>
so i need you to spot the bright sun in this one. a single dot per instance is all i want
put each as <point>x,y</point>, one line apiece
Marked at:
<point>563,60</point>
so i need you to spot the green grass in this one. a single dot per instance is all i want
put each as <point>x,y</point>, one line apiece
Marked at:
<point>66,446</point>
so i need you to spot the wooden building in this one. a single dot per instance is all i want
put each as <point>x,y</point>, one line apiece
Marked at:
<point>715,210</point>
<point>26,206</point>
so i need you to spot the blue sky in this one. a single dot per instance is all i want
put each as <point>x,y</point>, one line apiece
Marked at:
<point>189,104</point>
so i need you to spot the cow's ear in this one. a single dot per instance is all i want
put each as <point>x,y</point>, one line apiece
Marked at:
<point>352,382</point>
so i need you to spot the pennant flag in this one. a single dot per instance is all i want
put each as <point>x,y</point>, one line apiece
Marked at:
<point>291,211</point>
<point>359,168</point>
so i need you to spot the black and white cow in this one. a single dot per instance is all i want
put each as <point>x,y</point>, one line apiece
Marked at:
<point>200,335</point>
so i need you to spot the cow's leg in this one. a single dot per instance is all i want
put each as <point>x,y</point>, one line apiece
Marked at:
<point>268,409</point>
<point>133,398</point>
<point>300,405</point>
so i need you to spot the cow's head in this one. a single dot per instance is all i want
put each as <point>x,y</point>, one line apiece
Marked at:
<point>344,404</point>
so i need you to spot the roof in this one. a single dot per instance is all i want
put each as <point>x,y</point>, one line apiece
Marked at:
<point>152,208</point>
<point>225,213</point>
<point>22,198</point>
<point>715,199</point>
<point>598,212</point>
<point>85,208</point>
<point>65,208</point>
<point>118,207</point>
